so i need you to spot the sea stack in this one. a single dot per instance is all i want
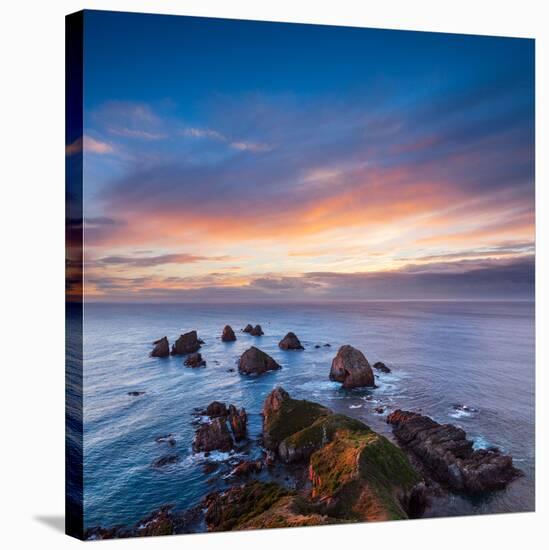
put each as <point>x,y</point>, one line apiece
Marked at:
<point>195,360</point>
<point>161,348</point>
<point>351,368</point>
<point>290,341</point>
<point>255,361</point>
<point>186,343</point>
<point>257,331</point>
<point>248,328</point>
<point>228,334</point>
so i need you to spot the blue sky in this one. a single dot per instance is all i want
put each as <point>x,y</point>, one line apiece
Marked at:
<point>241,160</point>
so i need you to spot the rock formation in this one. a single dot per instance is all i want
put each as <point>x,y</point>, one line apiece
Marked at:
<point>161,348</point>
<point>246,467</point>
<point>186,343</point>
<point>256,331</point>
<point>255,361</point>
<point>290,341</point>
<point>214,436</point>
<point>195,360</point>
<point>238,420</point>
<point>449,457</point>
<point>228,334</point>
<point>352,368</point>
<point>381,367</point>
<point>228,425</point>
<point>248,328</point>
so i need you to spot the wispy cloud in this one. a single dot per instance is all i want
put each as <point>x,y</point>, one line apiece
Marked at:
<point>90,145</point>
<point>153,261</point>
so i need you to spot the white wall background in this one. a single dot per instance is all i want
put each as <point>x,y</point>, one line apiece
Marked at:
<point>32,267</point>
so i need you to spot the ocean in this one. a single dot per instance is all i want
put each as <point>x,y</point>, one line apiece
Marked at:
<point>443,356</point>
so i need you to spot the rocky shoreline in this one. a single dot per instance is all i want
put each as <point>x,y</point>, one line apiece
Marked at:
<point>336,469</point>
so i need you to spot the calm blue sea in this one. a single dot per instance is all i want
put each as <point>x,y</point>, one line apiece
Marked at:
<point>441,353</point>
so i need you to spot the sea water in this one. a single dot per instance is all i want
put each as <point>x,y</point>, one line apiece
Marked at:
<point>466,363</point>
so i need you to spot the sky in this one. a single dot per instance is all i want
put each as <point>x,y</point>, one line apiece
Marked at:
<point>249,161</point>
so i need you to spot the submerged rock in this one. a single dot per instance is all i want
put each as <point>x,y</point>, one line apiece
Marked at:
<point>195,360</point>
<point>168,438</point>
<point>186,343</point>
<point>165,460</point>
<point>255,361</point>
<point>136,393</point>
<point>214,436</point>
<point>449,456</point>
<point>248,328</point>
<point>256,331</point>
<point>290,341</point>
<point>161,348</point>
<point>228,334</point>
<point>381,367</point>
<point>352,368</point>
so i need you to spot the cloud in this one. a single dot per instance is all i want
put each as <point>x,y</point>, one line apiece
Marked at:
<point>153,261</point>
<point>91,145</point>
<point>250,146</point>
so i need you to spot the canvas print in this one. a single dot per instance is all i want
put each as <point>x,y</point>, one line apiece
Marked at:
<point>300,275</point>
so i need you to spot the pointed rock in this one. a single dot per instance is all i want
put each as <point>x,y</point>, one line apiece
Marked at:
<point>228,334</point>
<point>257,331</point>
<point>186,343</point>
<point>161,348</point>
<point>290,341</point>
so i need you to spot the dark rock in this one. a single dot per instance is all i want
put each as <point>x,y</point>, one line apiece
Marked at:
<point>238,419</point>
<point>449,456</point>
<point>186,343</point>
<point>248,328</point>
<point>215,409</point>
<point>255,361</point>
<point>352,368</point>
<point>169,439</point>
<point>231,370</point>
<point>247,467</point>
<point>158,523</point>
<point>228,334</point>
<point>136,393</point>
<point>379,410</point>
<point>210,467</point>
<point>161,348</point>
<point>290,341</point>
<point>195,360</point>
<point>214,436</point>
<point>165,460</point>
<point>327,345</point>
<point>381,367</point>
<point>464,408</point>
<point>317,346</point>
<point>256,331</point>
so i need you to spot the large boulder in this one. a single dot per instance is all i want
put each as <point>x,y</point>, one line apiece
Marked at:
<point>161,348</point>
<point>186,343</point>
<point>290,341</point>
<point>228,334</point>
<point>248,328</point>
<point>284,416</point>
<point>449,456</point>
<point>256,331</point>
<point>214,436</point>
<point>352,368</point>
<point>255,361</point>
